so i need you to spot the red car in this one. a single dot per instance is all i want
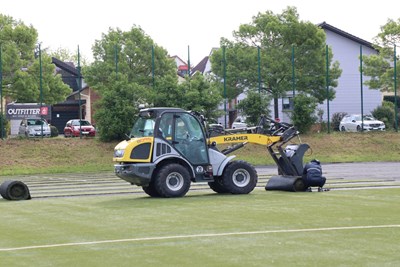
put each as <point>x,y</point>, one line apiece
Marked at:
<point>73,127</point>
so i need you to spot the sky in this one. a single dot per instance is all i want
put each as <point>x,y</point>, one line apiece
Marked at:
<point>184,28</point>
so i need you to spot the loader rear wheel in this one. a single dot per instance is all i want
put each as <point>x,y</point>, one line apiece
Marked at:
<point>172,180</point>
<point>218,186</point>
<point>239,177</point>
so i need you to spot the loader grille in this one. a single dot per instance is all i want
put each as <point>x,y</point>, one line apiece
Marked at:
<point>162,149</point>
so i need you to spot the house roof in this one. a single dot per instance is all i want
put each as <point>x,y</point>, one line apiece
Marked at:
<point>331,28</point>
<point>179,61</point>
<point>69,74</point>
<point>201,66</point>
<point>68,67</point>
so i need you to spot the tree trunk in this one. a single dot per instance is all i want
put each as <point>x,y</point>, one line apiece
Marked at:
<point>276,108</point>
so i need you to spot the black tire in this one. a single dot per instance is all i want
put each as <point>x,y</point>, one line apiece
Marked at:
<point>299,185</point>
<point>172,180</point>
<point>342,129</point>
<point>151,190</point>
<point>14,190</point>
<point>218,186</point>
<point>358,128</point>
<point>239,177</point>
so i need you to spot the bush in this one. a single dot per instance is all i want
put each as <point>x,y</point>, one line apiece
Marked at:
<point>336,118</point>
<point>303,116</point>
<point>53,131</point>
<point>386,114</point>
<point>4,123</point>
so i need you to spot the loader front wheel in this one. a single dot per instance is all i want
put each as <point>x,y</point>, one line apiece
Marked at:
<point>239,177</point>
<point>172,180</point>
<point>151,190</point>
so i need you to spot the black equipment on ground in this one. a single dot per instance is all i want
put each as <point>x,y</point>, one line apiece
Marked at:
<point>14,190</point>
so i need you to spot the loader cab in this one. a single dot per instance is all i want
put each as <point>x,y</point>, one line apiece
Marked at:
<point>178,128</point>
<point>184,132</point>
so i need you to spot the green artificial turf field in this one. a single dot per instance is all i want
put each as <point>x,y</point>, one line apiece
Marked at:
<point>264,228</point>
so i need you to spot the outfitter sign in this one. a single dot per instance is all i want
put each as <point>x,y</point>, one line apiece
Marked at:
<point>20,111</point>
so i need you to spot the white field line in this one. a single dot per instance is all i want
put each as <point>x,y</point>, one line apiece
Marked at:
<point>201,235</point>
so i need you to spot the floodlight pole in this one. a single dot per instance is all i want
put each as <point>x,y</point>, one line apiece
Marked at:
<point>224,71</point>
<point>41,89</point>
<point>327,86</point>
<point>1,97</point>
<point>152,66</point>
<point>116,61</point>
<point>395,90</point>
<point>79,94</point>
<point>361,87</point>
<point>259,68</point>
<point>293,74</point>
<point>189,62</point>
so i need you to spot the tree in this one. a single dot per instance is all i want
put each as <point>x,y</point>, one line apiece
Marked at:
<point>255,105</point>
<point>117,110</point>
<point>379,67</point>
<point>201,95</point>
<point>21,70</point>
<point>128,55</point>
<point>275,36</point>
<point>65,55</point>
<point>122,73</point>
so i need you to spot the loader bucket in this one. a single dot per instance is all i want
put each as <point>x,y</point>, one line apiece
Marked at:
<point>286,183</point>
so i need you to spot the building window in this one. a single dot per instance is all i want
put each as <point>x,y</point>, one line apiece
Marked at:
<point>287,103</point>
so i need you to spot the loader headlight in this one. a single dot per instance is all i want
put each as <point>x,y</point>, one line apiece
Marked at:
<point>119,153</point>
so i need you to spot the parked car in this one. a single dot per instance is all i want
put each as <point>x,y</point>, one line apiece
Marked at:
<point>352,123</point>
<point>33,127</point>
<point>239,122</point>
<point>73,127</point>
<point>215,129</point>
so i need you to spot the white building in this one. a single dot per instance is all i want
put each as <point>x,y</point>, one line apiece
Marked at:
<point>346,50</point>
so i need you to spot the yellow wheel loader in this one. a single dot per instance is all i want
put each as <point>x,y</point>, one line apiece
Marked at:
<point>169,148</point>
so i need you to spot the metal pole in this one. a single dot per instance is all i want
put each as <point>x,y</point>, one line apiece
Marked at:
<point>293,73</point>
<point>41,88</point>
<point>327,87</point>
<point>361,86</point>
<point>189,62</point>
<point>395,92</point>
<point>259,68</point>
<point>79,94</point>
<point>152,65</point>
<point>1,97</point>
<point>224,71</point>
<point>189,67</point>
<point>116,61</point>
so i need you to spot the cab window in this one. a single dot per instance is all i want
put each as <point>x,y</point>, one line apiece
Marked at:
<point>143,127</point>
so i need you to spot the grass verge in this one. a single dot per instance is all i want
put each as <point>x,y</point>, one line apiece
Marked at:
<point>57,155</point>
